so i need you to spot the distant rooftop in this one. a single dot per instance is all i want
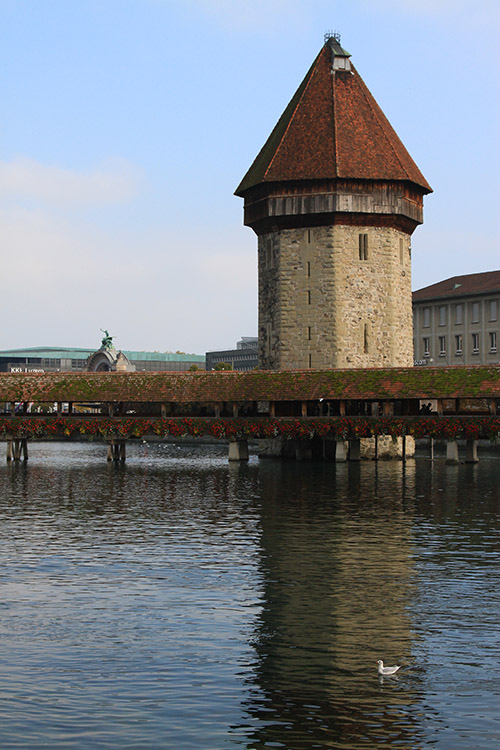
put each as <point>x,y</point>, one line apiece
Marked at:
<point>55,352</point>
<point>472,283</point>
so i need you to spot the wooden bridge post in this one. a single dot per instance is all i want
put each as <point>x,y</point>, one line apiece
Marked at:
<point>340,451</point>
<point>452,452</point>
<point>471,452</point>
<point>238,450</point>
<point>354,449</point>
<point>17,447</point>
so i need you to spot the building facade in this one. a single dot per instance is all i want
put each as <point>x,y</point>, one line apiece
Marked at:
<point>457,321</point>
<point>334,198</point>
<point>244,357</point>
<point>61,359</point>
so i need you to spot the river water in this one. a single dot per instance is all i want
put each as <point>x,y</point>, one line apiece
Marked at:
<point>178,601</point>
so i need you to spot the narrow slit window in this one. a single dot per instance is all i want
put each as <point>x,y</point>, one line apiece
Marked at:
<point>309,333</point>
<point>308,269</point>
<point>363,246</point>
<point>401,250</point>
<point>365,338</point>
<point>310,360</point>
<point>309,297</point>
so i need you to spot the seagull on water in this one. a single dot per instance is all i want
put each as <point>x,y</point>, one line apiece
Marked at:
<point>386,670</point>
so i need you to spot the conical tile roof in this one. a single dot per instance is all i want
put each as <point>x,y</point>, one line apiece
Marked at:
<point>332,128</point>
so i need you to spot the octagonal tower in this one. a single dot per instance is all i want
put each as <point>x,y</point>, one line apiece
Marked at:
<point>334,198</point>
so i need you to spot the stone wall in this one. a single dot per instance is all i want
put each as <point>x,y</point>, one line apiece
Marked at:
<point>322,306</point>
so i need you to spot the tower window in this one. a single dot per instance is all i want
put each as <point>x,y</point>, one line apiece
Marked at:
<point>310,360</point>
<point>363,246</point>
<point>365,338</point>
<point>401,250</point>
<point>308,269</point>
<point>309,297</point>
<point>309,333</point>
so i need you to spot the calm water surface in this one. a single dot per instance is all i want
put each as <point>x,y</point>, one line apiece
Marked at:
<point>182,602</point>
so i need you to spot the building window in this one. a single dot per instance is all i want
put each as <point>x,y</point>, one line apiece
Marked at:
<point>309,297</point>
<point>426,342</point>
<point>442,315</point>
<point>475,343</point>
<point>401,250</point>
<point>365,338</point>
<point>308,269</point>
<point>475,312</point>
<point>442,346</point>
<point>492,309</point>
<point>363,246</point>
<point>458,344</point>
<point>309,333</point>
<point>459,314</point>
<point>427,317</point>
<point>493,341</point>
<point>310,361</point>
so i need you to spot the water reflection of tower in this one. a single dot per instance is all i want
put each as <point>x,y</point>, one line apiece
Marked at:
<point>336,581</point>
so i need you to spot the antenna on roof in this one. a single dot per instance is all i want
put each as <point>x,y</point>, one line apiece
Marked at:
<point>332,35</point>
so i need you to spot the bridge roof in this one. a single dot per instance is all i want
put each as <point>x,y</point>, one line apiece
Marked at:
<point>257,385</point>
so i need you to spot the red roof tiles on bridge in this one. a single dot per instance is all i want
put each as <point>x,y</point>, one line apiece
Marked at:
<point>257,385</point>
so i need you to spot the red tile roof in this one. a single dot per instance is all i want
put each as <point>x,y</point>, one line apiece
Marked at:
<point>263,385</point>
<point>332,128</point>
<point>457,286</point>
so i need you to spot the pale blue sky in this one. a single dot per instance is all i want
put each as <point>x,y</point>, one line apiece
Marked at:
<point>128,124</point>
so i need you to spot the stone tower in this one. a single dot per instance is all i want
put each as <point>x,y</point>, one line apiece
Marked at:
<point>334,198</point>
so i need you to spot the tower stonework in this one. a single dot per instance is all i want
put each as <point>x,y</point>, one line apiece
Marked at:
<point>334,198</point>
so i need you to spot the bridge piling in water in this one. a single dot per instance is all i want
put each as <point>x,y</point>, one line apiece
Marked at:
<point>238,450</point>
<point>452,452</point>
<point>116,450</point>
<point>17,447</point>
<point>471,452</point>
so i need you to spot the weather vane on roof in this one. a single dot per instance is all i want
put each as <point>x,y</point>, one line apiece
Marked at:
<point>332,35</point>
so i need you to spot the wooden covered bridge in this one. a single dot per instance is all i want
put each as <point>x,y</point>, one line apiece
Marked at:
<point>324,412</point>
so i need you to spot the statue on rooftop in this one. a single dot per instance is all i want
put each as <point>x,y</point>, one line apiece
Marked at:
<point>107,342</point>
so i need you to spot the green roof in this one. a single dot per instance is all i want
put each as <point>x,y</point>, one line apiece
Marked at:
<point>54,352</point>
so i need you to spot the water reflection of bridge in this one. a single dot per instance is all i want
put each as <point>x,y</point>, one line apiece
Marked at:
<point>322,414</point>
